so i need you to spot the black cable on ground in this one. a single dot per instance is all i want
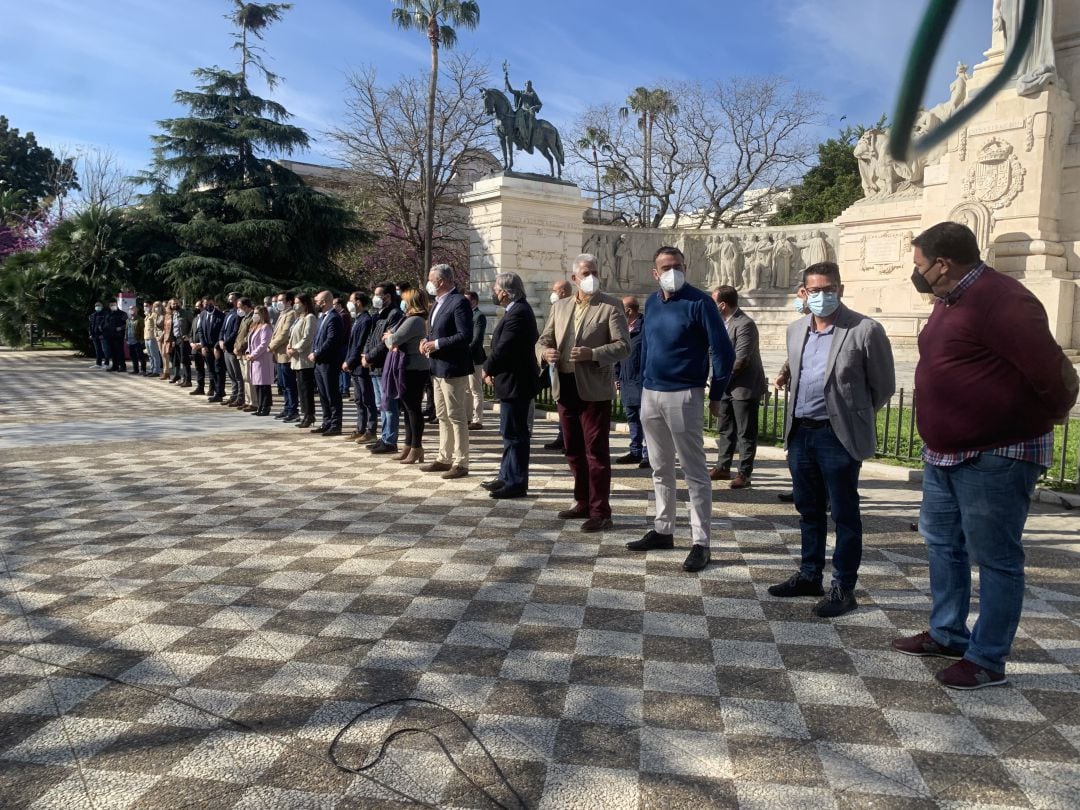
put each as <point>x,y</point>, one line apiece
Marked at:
<point>332,758</point>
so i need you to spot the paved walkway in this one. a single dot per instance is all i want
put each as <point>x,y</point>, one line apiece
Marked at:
<point>255,588</point>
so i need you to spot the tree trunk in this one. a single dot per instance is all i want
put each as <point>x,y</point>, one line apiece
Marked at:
<point>599,190</point>
<point>428,180</point>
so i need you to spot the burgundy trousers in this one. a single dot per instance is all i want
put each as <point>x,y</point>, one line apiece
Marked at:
<point>586,427</point>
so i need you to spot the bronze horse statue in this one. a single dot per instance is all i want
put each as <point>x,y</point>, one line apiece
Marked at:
<point>545,135</point>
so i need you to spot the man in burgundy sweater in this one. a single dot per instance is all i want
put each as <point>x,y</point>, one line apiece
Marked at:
<point>991,383</point>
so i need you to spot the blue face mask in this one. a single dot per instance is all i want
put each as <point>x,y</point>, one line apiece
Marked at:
<point>401,306</point>
<point>798,305</point>
<point>823,304</point>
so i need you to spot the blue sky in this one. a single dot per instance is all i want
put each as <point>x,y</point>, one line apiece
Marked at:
<point>102,72</point>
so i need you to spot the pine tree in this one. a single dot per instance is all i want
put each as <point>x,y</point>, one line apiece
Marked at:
<point>238,218</point>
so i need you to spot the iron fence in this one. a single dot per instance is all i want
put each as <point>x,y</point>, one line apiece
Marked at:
<point>897,437</point>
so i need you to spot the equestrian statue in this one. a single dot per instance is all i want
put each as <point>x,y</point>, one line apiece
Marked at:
<point>517,125</point>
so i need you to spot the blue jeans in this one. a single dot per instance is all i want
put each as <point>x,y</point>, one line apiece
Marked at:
<point>637,434</point>
<point>367,414</point>
<point>389,416</point>
<point>975,513</point>
<point>824,474</point>
<point>286,380</point>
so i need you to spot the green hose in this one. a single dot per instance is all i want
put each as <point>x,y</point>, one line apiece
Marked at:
<point>927,42</point>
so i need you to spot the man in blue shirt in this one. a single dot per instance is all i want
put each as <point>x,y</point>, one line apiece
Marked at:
<point>682,335</point>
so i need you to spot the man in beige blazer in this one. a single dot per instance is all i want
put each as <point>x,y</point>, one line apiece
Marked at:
<point>585,335</point>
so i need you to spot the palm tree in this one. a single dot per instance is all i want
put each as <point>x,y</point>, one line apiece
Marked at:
<point>596,139</point>
<point>437,19</point>
<point>648,104</point>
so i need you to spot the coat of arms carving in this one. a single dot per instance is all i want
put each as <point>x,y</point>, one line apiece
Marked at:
<point>997,176</point>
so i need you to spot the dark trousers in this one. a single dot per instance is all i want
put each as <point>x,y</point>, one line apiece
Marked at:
<point>305,390</point>
<point>218,360</point>
<point>737,427</point>
<point>326,380</point>
<point>823,475</point>
<point>410,405</point>
<point>200,369</point>
<point>180,353</point>
<point>586,427</point>
<point>100,358</point>
<point>138,357</point>
<point>235,376</point>
<point>264,399</point>
<point>514,427</point>
<point>286,380</point>
<point>367,412</point>
<point>116,354</point>
<point>210,364</point>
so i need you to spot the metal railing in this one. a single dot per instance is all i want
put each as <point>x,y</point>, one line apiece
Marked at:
<point>897,436</point>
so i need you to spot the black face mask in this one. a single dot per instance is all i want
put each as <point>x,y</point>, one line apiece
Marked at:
<point>495,300</point>
<point>919,282</point>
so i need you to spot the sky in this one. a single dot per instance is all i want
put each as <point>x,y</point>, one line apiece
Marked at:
<point>101,73</point>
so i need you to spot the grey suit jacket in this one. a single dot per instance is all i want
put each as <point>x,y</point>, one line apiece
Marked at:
<point>603,329</point>
<point>859,378</point>
<point>748,378</point>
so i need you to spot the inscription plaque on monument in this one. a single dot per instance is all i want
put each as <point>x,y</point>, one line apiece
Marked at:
<point>882,250</point>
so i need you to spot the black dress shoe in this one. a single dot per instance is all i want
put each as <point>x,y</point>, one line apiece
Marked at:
<point>381,449</point>
<point>305,423</point>
<point>214,399</point>
<point>629,458</point>
<point>332,432</point>
<point>509,492</point>
<point>320,429</point>
<point>197,392</point>
<point>292,417</point>
<point>281,414</point>
<point>652,540</point>
<point>553,446</point>
<point>644,465</point>
<point>786,497</point>
<point>493,485</point>
<point>697,559</point>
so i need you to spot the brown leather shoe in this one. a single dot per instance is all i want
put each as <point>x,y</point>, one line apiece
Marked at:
<point>476,425</point>
<point>436,466</point>
<point>740,482</point>
<point>596,525</point>
<point>720,474</point>
<point>455,472</point>
<point>366,438</point>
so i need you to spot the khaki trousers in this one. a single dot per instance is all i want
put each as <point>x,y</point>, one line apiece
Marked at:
<point>450,397</point>
<point>475,401</point>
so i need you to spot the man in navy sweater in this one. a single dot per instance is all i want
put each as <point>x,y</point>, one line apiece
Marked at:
<point>992,382</point>
<point>682,335</point>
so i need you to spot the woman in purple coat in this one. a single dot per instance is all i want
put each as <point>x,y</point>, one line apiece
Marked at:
<point>261,360</point>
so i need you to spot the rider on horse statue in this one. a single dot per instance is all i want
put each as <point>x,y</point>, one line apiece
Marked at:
<point>526,106</point>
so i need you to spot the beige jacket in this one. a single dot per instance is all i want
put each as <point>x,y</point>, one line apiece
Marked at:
<point>603,329</point>
<point>300,338</point>
<point>279,341</point>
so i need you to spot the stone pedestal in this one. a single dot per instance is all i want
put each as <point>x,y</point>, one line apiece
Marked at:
<point>525,225</point>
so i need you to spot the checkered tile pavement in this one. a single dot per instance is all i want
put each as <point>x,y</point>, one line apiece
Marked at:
<point>290,582</point>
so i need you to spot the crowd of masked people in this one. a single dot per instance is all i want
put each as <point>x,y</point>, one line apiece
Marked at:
<point>990,391</point>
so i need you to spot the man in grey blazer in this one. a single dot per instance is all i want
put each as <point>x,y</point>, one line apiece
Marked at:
<point>840,374</point>
<point>738,422</point>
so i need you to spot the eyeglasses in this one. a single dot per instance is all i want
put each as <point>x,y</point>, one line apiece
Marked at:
<point>814,290</point>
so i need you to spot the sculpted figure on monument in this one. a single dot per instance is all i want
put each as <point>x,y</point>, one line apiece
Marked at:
<point>1038,68</point>
<point>815,249</point>
<point>782,256</point>
<point>879,173</point>
<point>764,259</point>
<point>752,276</point>
<point>527,105</point>
<point>724,254</point>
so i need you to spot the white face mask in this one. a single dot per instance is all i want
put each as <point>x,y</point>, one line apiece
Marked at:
<point>431,288</point>
<point>554,297</point>
<point>296,307</point>
<point>377,302</point>
<point>352,308</point>
<point>672,280</point>
<point>256,318</point>
<point>589,285</point>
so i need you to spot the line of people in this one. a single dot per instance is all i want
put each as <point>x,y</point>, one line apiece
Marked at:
<point>989,393</point>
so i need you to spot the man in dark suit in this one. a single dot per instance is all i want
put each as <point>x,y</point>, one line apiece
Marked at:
<point>115,327</point>
<point>447,347</point>
<point>512,369</point>
<point>328,353</point>
<point>367,414</point>
<point>475,401</point>
<point>210,326</point>
<point>738,420</point>
<point>230,328</point>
